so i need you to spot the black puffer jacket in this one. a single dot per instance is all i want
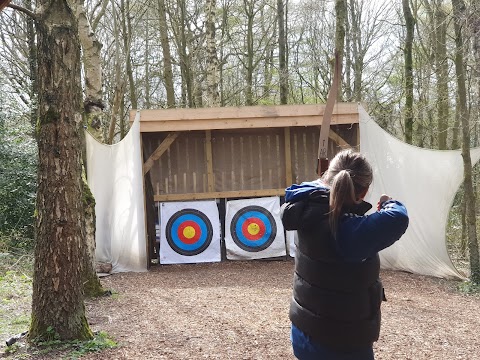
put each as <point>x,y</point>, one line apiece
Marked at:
<point>335,302</point>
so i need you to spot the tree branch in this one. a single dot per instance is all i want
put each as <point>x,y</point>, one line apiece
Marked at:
<point>23,10</point>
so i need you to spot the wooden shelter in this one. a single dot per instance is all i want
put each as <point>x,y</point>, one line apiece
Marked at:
<point>235,152</point>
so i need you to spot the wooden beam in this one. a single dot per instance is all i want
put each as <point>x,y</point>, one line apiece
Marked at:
<point>209,156</point>
<point>338,139</point>
<point>242,117</point>
<point>159,151</point>
<point>145,218</point>
<point>288,158</point>
<point>230,123</point>
<point>220,195</point>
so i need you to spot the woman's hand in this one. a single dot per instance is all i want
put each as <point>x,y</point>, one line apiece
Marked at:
<point>383,198</point>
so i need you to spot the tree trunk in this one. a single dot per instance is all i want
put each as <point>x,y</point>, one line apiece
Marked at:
<point>410,25</point>
<point>358,57</point>
<point>213,98</point>
<point>92,67</point>
<point>57,299</point>
<point>32,59</point>
<point>282,49</point>
<point>475,35</point>
<point>268,64</point>
<point>442,75</point>
<point>459,24</point>
<point>184,56</point>
<point>92,286</point>
<point>341,19</point>
<point>349,32</point>
<point>93,104</point>
<point>248,7</point>
<point>119,82</point>
<point>127,40</point>
<point>167,58</point>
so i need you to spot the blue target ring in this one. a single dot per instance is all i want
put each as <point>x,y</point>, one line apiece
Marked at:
<point>253,228</point>
<point>189,232</point>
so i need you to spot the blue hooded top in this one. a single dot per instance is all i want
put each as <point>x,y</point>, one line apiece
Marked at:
<point>359,236</point>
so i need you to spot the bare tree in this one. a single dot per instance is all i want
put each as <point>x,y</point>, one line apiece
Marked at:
<point>213,98</point>
<point>410,27</point>
<point>459,17</point>
<point>167,57</point>
<point>441,65</point>
<point>282,50</point>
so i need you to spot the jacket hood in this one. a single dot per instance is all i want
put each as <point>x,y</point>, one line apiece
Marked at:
<point>298,192</point>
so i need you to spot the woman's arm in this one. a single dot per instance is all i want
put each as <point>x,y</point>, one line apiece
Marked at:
<point>360,237</point>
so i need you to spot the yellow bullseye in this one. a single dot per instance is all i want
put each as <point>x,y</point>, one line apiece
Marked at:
<point>189,232</point>
<point>253,229</point>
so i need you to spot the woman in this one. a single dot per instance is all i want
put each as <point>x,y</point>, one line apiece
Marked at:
<point>335,308</point>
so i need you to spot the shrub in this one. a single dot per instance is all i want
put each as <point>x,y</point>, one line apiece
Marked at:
<point>18,156</point>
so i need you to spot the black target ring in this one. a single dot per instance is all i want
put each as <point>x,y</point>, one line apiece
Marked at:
<point>189,232</point>
<point>253,228</point>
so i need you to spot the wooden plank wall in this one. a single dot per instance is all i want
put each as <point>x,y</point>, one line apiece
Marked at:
<point>182,168</point>
<point>241,161</point>
<point>248,159</point>
<point>304,149</point>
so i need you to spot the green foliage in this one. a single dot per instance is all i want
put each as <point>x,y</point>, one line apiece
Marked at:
<point>470,288</point>
<point>17,184</point>
<point>15,293</point>
<point>100,342</point>
<point>75,349</point>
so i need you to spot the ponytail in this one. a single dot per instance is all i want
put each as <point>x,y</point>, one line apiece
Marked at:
<point>349,176</point>
<point>342,192</point>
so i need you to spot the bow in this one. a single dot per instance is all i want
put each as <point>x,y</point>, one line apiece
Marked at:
<point>322,163</point>
<point>3,3</point>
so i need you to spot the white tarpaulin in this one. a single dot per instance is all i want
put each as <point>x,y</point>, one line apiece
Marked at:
<point>426,182</point>
<point>189,232</point>
<point>253,229</point>
<point>290,237</point>
<point>115,178</point>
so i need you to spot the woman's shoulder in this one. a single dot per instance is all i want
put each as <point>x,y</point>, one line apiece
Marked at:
<point>299,192</point>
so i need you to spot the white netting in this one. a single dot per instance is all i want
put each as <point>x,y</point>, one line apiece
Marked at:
<point>426,182</point>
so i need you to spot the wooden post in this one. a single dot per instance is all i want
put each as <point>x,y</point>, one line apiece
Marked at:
<point>147,242</point>
<point>208,153</point>
<point>288,158</point>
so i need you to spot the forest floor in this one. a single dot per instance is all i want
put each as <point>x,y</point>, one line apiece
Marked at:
<point>239,310</point>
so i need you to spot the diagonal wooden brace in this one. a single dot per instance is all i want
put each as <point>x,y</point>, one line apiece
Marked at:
<point>159,151</point>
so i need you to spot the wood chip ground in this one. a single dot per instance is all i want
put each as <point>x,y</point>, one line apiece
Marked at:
<point>239,310</point>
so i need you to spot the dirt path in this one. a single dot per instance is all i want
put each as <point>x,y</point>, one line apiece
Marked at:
<point>239,310</point>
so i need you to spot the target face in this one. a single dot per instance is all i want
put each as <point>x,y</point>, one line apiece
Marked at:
<point>253,228</point>
<point>189,232</point>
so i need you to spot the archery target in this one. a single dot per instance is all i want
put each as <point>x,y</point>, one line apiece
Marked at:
<point>190,232</point>
<point>253,229</point>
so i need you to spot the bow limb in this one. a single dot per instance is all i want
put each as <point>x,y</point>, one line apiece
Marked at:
<point>322,164</point>
<point>3,3</point>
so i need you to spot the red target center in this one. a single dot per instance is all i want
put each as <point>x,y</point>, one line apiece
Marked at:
<point>253,229</point>
<point>189,232</point>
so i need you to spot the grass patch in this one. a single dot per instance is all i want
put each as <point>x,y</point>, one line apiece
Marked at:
<point>469,288</point>
<point>16,272</point>
<point>100,342</point>
<point>56,349</point>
